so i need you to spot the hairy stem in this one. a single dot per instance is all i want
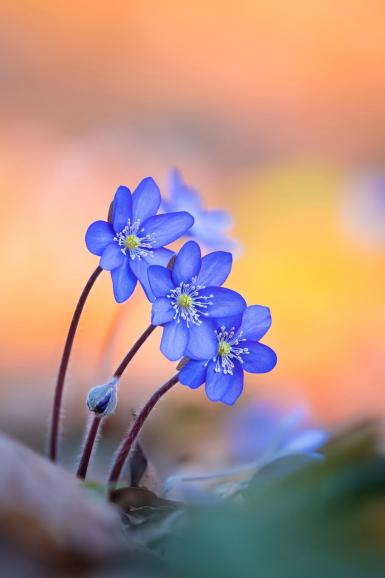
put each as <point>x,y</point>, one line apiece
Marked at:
<point>58,396</point>
<point>145,335</point>
<point>133,433</point>
<point>88,447</point>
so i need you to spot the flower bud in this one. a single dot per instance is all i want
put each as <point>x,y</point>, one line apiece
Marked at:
<point>102,399</point>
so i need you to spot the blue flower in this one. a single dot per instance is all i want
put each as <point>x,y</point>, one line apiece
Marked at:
<point>236,347</point>
<point>135,238</point>
<point>209,226</point>
<point>266,431</point>
<point>102,399</point>
<point>189,299</point>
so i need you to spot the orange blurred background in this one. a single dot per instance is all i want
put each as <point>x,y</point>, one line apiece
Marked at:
<point>273,110</point>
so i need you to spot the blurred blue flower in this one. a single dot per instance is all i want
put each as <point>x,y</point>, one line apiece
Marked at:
<point>236,347</point>
<point>189,299</point>
<point>265,431</point>
<point>135,238</point>
<point>210,227</point>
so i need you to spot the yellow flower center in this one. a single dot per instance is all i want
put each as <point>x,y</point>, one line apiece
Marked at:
<point>131,242</point>
<point>184,300</point>
<point>223,348</point>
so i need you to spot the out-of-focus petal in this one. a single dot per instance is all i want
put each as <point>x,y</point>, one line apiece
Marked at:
<point>309,440</point>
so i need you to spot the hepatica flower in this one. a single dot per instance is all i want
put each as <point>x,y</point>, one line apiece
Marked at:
<point>135,238</point>
<point>190,298</point>
<point>210,227</point>
<point>236,347</point>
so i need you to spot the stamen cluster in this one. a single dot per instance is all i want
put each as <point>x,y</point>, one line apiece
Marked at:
<point>131,240</point>
<point>228,350</point>
<point>188,303</point>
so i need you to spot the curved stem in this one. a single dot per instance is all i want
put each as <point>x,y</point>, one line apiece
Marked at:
<point>118,373</point>
<point>88,447</point>
<point>91,437</point>
<point>133,433</point>
<point>57,402</point>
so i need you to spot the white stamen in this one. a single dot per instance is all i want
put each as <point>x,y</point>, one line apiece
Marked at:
<point>146,242</point>
<point>192,312</point>
<point>225,361</point>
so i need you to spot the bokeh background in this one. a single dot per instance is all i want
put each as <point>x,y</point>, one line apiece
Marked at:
<point>274,111</point>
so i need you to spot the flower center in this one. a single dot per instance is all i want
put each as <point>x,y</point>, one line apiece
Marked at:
<point>131,242</point>
<point>228,350</point>
<point>188,303</point>
<point>132,239</point>
<point>224,348</point>
<point>184,300</point>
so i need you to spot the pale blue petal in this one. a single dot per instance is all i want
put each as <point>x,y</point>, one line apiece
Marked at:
<point>224,386</point>
<point>98,236</point>
<point>308,440</point>
<point>162,311</point>
<point>159,257</point>
<point>187,263</point>
<point>256,322</point>
<point>122,208</point>
<point>174,340</point>
<point>202,342</point>
<point>160,280</point>
<point>167,228</point>
<point>260,358</point>
<point>215,269</point>
<point>123,281</point>
<point>193,373</point>
<point>223,302</point>
<point>145,200</point>
<point>140,269</point>
<point>112,257</point>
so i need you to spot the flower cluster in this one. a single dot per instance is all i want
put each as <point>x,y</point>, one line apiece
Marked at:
<point>208,325</point>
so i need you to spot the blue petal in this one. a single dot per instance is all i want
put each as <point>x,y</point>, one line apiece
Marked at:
<point>174,340</point>
<point>123,281</point>
<point>160,280</point>
<point>140,269</point>
<point>224,302</point>
<point>112,257</point>
<point>175,179</point>
<point>98,236</point>
<point>122,208</point>
<point>193,373</point>
<point>167,228</point>
<point>232,322</point>
<point>215,268</point>
<point>260,358</point>
<point>159,257</point>
<point>202,342</point>
<point>256,322</point>
<point>162,311</point>
<point>145,200</point>
<point>216,219</point>
<point>187,263</point>
<point>309,440</point>
<point>224,386</point>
